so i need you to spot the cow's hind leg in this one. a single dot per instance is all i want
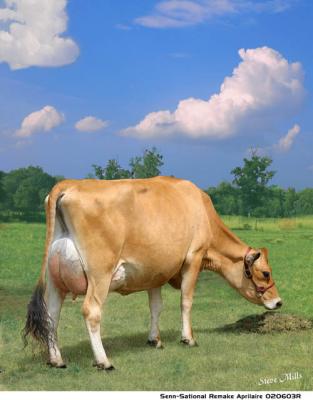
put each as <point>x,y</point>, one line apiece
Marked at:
<point>155,304</point>
<point>54,300</point>
<point>189,278</point>
<point>97,292</point>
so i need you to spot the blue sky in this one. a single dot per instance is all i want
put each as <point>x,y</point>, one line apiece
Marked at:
<point>149,73</point>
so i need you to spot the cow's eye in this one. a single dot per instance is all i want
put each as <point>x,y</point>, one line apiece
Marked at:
<point>266,274</point>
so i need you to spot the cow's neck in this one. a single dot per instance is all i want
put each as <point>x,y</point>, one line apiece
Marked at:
<point>225,254</point>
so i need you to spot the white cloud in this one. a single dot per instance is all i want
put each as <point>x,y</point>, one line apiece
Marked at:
<point>286,141</point>
<point>180,13</point>
<point>264,85</point>
<point>33,34</point>
<point>40,121</point>
<point>90,124</point>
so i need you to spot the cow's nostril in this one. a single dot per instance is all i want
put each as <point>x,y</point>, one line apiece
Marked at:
<point>279,304</point>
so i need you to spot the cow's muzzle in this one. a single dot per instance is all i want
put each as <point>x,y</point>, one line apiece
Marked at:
<point>273,304</point>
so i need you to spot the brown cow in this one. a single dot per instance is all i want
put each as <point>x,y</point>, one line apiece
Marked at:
<point>131,235</point>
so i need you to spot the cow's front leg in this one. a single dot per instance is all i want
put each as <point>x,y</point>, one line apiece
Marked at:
<point>190,273</point>
<point>156,305</point>
<point>54,301</point>
<point>96,294</point>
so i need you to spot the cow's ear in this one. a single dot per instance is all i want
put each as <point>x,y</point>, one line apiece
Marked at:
<point>257,255</point>
<point>251,258</point>
<point>265,252</point>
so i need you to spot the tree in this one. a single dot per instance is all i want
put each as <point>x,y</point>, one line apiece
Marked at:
<point>225,198</point>
<point>252,180</point>
<point>26,197</point>
<point>275,203</point>
<point>147,165</point>
<point>304,203</point>
<point>291,197</point>
<point>98,172</point>
<point>26,189</point>
<point>111,171</point>
<point>114,171</point>
<point>2,191</point>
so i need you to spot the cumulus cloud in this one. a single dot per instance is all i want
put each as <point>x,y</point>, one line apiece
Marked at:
<point>90,124</point>
<point>263,84</point>
<point>286,141</point>
<point>33,34</point>
<point>40,121</point>
<point>180,13</point>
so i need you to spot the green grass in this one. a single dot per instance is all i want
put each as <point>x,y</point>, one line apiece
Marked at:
<point>269,224</point>
<point>224,360</point>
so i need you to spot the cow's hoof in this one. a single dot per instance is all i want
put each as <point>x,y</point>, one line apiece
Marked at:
<point>189,342</point>
<point>56,365</point>
<point>102,367</point>
<point>157,344</point>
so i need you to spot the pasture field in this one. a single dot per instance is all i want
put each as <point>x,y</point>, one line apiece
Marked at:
<point>224,360</point>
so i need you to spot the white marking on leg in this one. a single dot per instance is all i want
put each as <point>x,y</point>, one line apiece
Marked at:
<point>156,305</point>
<point>54,303</point>
<point>189,278</point>
<point>186,306</point>
<point>95,297</point>
<point>97,346</point>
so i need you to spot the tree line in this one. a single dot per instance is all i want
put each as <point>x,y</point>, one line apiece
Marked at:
<point>23,190</point>
<point>250,194</point>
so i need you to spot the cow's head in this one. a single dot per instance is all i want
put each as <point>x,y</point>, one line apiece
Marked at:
<point>257,282</point>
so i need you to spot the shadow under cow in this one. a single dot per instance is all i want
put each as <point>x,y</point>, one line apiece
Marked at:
<point>80,352</point>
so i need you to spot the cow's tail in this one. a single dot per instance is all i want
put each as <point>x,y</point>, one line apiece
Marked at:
<point>38,321</point>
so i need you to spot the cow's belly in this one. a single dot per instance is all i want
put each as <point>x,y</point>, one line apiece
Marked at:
<point>130,276</point>
<point>67,273</point>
